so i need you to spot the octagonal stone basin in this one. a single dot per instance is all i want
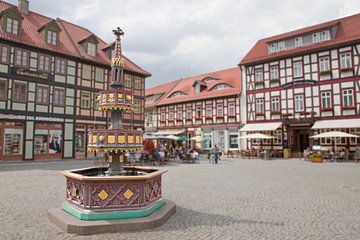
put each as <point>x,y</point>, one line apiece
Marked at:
<point>93,196</point>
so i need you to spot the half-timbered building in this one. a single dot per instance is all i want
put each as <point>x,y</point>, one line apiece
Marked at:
<point>50,73</point>
<point>302,82</point>
<point>205,105</point>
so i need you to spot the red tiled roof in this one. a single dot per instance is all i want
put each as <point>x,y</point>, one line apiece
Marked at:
<point>348,31</point>
<point>70,36</point>
<point>231,76</point>
<point>159,90</point>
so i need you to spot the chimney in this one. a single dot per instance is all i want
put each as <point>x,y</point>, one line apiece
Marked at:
<point>24,7</point>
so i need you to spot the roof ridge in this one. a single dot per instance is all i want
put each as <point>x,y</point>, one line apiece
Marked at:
<point>71,40</point>
<point>311,26</point>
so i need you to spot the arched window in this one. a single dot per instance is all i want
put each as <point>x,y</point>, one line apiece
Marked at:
<point>220,86</point>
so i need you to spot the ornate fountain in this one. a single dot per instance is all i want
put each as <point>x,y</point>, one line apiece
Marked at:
<point>114,192</point>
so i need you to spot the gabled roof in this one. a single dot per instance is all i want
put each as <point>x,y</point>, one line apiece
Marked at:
<point>53,22</point>
<point>348,31</point>
<point>231,76</point>
<point>159,90</point>
<point>89,36</point>
<point>71,35</point>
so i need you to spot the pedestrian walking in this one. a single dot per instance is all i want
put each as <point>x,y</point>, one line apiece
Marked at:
<point>214,152</point>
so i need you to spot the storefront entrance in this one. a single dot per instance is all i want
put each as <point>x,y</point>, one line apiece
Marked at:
<point>299,140</point>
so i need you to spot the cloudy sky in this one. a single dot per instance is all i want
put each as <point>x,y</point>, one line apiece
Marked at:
<point>175,39</point>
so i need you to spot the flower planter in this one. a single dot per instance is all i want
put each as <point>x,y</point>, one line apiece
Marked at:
<point>316,160</point>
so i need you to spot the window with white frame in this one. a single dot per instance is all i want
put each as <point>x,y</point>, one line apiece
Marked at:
<point>348,98</point>
<point>171,114</point>
<point>275,104</point>
<point>355,131</point>
<point>86,71</point>
<point>99,74</point>
<point>4,54</point>
<point>259,108</point>
<point>258,75</point>
<point>345,60</point>
<point>281,46</point>
<point>298,42</point>
<point>326,100</point>
<point>231,108</point>
<point>21,58</point>
<point>325,35</point>
<point>12,25</point>
<point>299,103</point>
<point>208,111</point>
<point>220,86</point>
<point>85,100</point>
<point>298,69</point>
<point>51,37</point>
<point>42,95</point>
<point>162,116</point>
<point>177,94</point>
<point>274,72</point>
<point>277,137</point>
<point>60,66</point>
<point>273,48</point>
<point>188,113</point>
<point>59,97</point>
<point>179,114</point>
<point>44,63</point>
<point>219,110</point>
<point>316,37</point>
<point>198,112</point>
<point>91,48</point>
<point>324,64</point>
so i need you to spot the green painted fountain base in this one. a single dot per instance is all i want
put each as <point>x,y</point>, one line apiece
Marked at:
<point>111,215</point>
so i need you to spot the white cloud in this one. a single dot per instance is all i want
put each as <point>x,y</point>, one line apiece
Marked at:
<point>174,39</point>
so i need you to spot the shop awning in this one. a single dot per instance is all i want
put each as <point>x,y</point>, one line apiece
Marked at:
<point>339,123</point>
<point>257,127</point>
<point>169,132</point>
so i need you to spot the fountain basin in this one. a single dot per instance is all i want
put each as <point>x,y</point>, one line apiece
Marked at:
<point>93,196</point>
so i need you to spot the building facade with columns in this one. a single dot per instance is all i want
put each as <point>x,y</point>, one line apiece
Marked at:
<point>206,105</point>
<point>303,82</point>
<point>51,71</point>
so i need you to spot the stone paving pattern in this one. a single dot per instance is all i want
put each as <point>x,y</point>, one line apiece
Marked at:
<point>237,199</point>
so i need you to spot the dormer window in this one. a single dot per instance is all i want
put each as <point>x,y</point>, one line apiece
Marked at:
<point>316,37</point>
<point>298,42</point>
<point>12,25</point>
<point>281,46</point>
<point>91,49</point>
<point>176,94</point>
<point>220,86</point>
<point>325,35</point>
<point>51,37</point>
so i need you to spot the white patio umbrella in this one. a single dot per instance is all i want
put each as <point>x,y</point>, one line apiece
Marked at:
<point>172,137</point>
<point>149,137</point>
<point>256,136</point>
<point>334,135</point>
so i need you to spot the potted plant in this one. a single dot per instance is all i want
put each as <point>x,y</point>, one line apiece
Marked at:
<point>316,158</point>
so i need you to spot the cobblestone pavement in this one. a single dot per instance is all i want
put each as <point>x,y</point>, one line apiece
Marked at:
<point>237,199</point>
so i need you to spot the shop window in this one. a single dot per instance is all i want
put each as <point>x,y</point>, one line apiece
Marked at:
<point>60,66</point>
<point>85,100</point>
<point>277,137</point>
<point>44,63</point>
<point>86,71</point>
<point>19,92</point>
<point>4,54</point>
<point>47,141</point>
<point>355,131</point>
<point>80,142</point>
<point>13,139</point>
<point>233,141</point>
<point>21,58</point>
<point>207,141</point>
<point>3,90</point>
<point>325,141</point>
<point>99,74</point>
<point>59,97</point>
<point>42,95</point>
